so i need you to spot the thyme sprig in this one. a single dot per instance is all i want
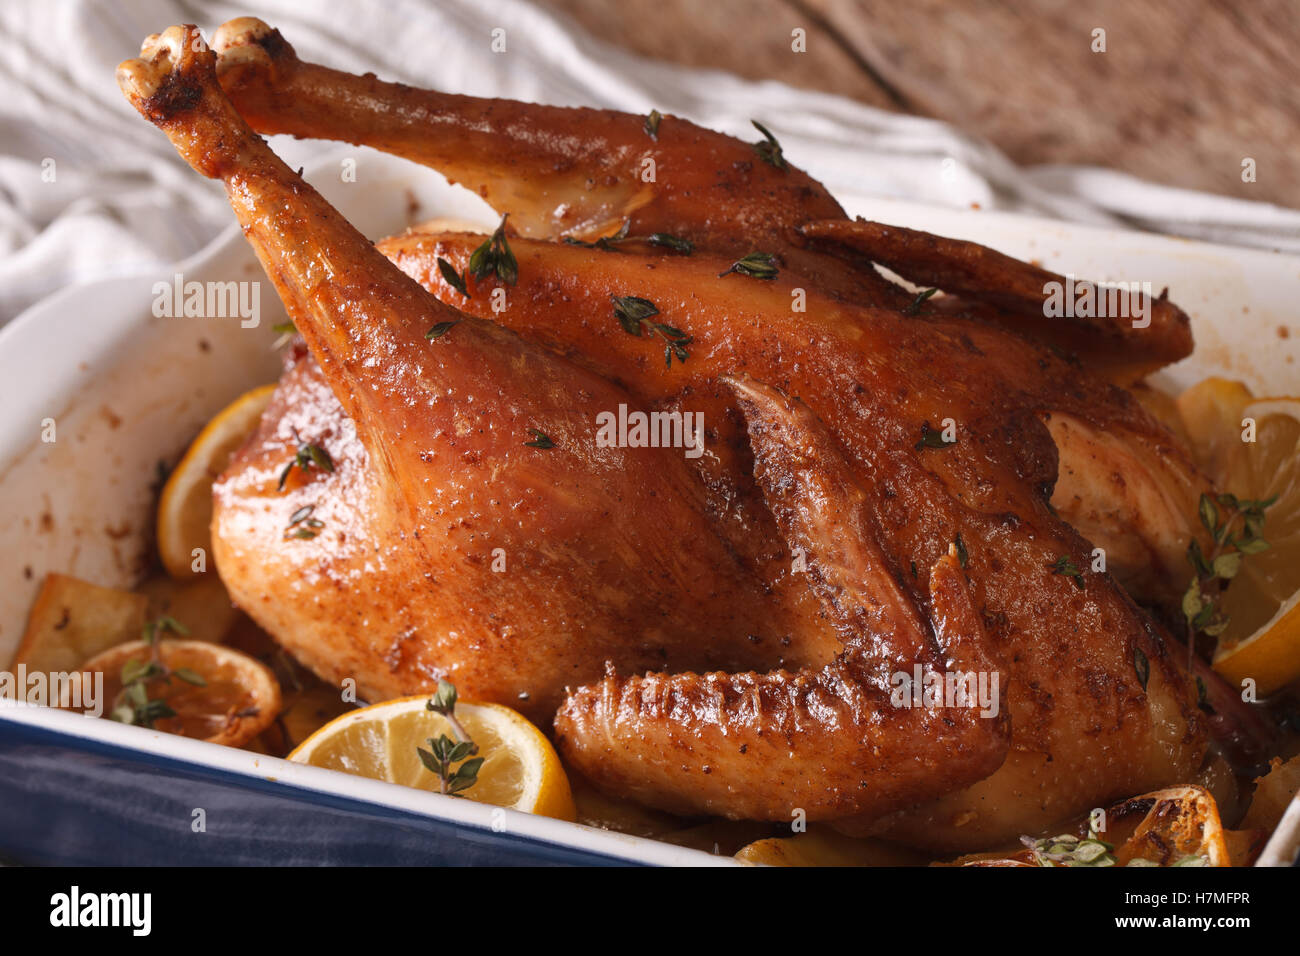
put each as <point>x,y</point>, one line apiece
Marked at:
<point>1235,526</point>
<point>635,314</point>
<point>440,329</point>
<point>540,439</point>
<point>494,256</point>
<point>610,243</point>
<point>454,278</point>
<point>445,751</point>
<point>307,456</point>
<point>302,525</point>
<point>914,308</point>
<point>1070,850</point>
<point>1064,565</point>
<point>132,705</point>
<point>757,265</point>
<point>768,149</point>
<point>652,121</point>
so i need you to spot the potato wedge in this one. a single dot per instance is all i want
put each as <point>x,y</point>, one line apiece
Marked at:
<point>73,620</point>
<point>201,604</point>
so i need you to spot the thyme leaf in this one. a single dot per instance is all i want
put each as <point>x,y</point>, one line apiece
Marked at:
<point>441,329</point>
<point>610,243</point>
<point>1065,565</point>
<point>133,705</point>
<point>494,256</point>
<point>454,278</point>
<point>306,457</point>
<point>1234,525</point>
<point>768,149</point>
<point>635,313</point>
<point>915,307</point>
<point>445,751</point>
<point>758,265</point>
<point>302,525</point>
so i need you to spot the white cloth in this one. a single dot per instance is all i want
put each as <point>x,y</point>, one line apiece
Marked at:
<point>88,189</point>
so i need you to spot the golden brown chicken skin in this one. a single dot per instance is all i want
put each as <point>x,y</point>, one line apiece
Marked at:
<point>587,173</point>
<point>768,688</point>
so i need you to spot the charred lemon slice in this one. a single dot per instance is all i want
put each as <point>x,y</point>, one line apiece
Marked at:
<point>189,688</point>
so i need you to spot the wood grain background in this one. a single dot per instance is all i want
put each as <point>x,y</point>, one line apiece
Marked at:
<point>1184,92</point>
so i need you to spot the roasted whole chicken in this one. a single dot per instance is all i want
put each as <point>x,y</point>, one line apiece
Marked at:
<point>886,483</point>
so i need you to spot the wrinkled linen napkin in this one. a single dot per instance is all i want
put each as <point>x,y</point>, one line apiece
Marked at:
<point>88,190</point>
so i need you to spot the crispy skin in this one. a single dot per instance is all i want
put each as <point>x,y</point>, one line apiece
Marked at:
<point>365,600</point>
<point>1017,293</point>
<point>609,554</point>
<point>618,543</point>
<point>558,171</point>
<point>828,741</point>
<point>1126,484</point>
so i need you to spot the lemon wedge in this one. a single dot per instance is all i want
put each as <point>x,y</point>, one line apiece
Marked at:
<point>1262,640</point>
<point>185,506</point>
<point>1250,447</point>
<point>520,768</point>
<point>214,693</point>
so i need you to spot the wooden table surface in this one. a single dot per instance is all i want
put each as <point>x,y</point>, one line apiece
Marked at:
<point>1184,92</point>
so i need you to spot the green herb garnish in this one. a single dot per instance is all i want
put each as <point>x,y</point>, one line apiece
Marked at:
<point>768,149</point>
<point>652,121</point>
<point>915,307</point>
<point>302,525</point>
<point>494,256</point>
<point>1235,526</point>
<point>1065,565</point>
<point>610,243</point>
<point>445,751</point>
<point>540,439</point>
<point>635,313</point>
<point>669,241</point>
<point>1069,850</point>
<point>758,265</point>
<point>454,278</point>
<point>441,329</point>
<point>306,457</point>
<point>132,705</point>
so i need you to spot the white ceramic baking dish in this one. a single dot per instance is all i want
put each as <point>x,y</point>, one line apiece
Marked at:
<point>128,389</point>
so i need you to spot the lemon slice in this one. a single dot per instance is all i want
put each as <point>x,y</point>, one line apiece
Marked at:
<point>217,694</point>
<point>1211,417</point>
<point>1262,640</point>
<point>520,768</point>
<point>185,507</point>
